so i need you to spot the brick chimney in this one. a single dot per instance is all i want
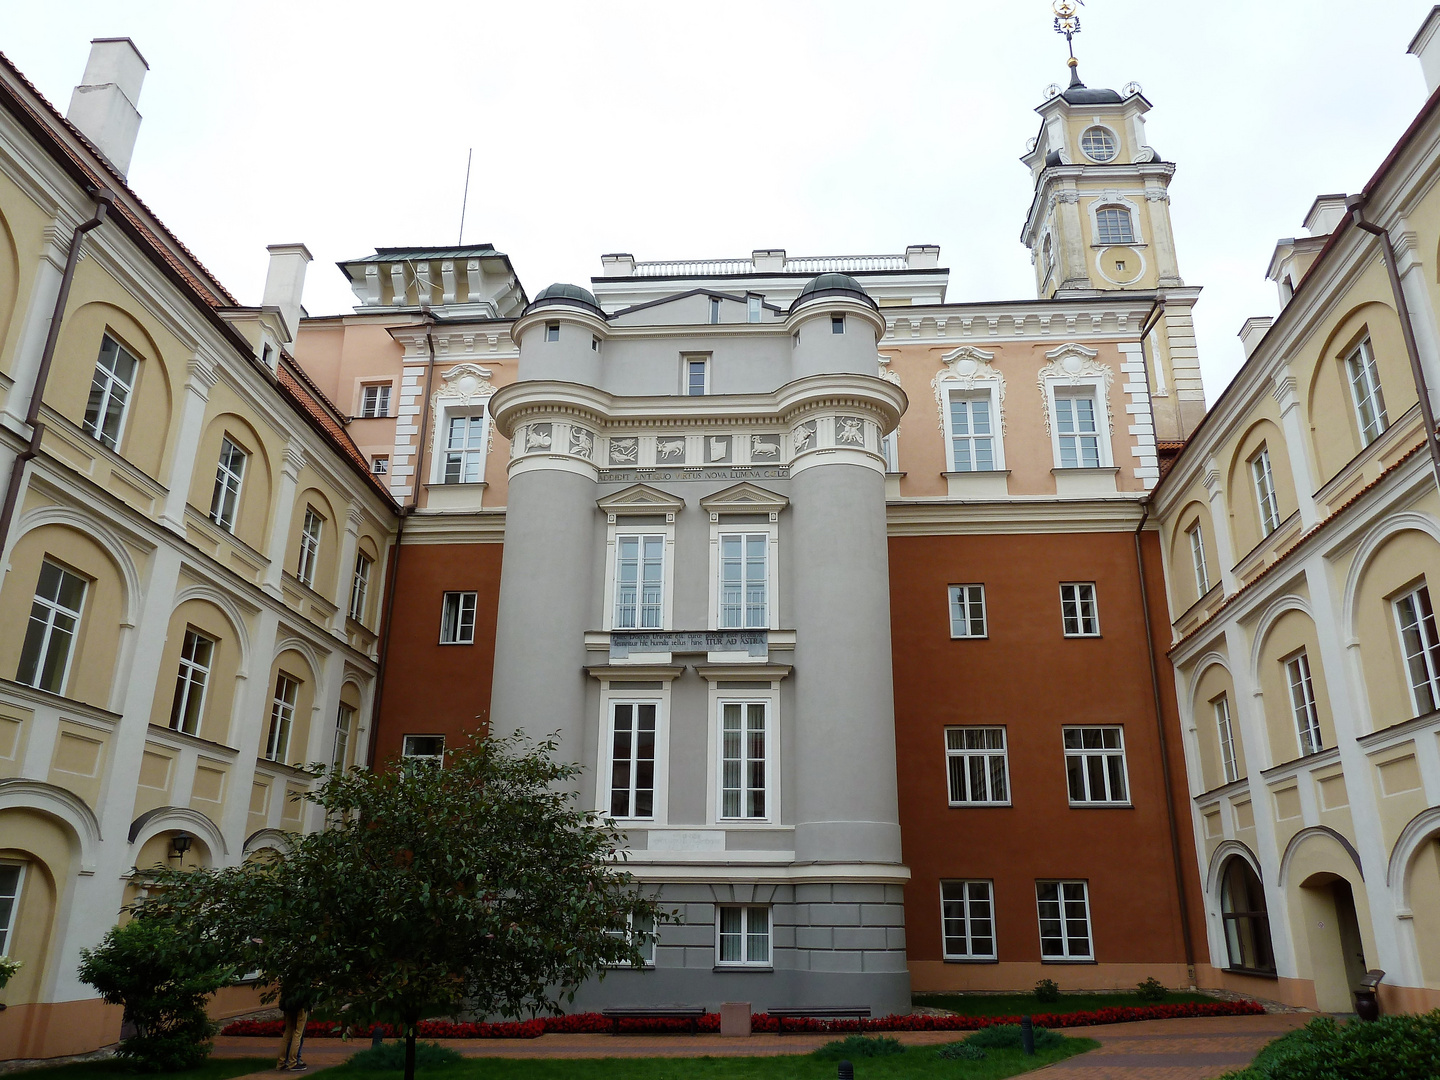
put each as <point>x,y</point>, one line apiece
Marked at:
<point>103,105</point>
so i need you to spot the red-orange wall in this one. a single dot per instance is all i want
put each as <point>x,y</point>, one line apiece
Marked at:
<point>1034,681</point>
<point>434,689</point>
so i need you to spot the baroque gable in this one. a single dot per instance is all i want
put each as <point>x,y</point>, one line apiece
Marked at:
<point>1073,364</point>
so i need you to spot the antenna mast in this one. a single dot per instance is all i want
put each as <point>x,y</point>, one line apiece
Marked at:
<point>465,198</point>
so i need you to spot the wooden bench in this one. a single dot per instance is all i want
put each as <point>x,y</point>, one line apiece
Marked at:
<point>656,1012</point>
<point>820,1012</point>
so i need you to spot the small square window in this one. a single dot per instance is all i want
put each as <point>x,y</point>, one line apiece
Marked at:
<point>1095,766</point>
<point>375,400</point>
<point>967,611</point>
<point>743,936</point>
<point>380,464</point>
<point>1078,610</point>
<point>457,618</point>
<point>1120,265</point>
<point>977,767</point>
<point>837,324</point>
<point>552,331</point>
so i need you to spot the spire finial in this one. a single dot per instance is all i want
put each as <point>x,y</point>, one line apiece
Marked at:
<point>1067,22</point>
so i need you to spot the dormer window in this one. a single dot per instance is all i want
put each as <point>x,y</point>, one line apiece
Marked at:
<point>1099,144</point>
<point>752,308</point>
<point>714,309</point>
<point>1114,226</point>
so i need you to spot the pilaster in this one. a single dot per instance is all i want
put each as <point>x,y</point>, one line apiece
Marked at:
<point>345,574</point>
<point>1220,525</point>
<point>36,324</point>
<point>1283,389</point>
<point>1423,316</point>
<point>202,376</point>
<point>284,510</point>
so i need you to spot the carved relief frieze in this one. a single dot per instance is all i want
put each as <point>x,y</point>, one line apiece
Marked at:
<point>718,449</point>
<point>624,451</point>
<point>892,376</point>
<point>968,368</point>
<point>539,437</point>
<point>582,442</point>
<point>803,437</point>
<point>849,431</point>
<point>764,448</point>
<point>670,449</point>
<point>1075,365</point>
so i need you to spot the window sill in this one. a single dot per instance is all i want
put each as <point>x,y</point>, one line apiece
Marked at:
<point>1254,973</point>
<point>969,637</point>
<point>980,805</point>
<point>1102,806</point>
<point>1064,960</point>
<point>971,960</point>
<point>1082,637</point>
<point>752,968</point>
<point>1086,480</point>
<point>455,643</point>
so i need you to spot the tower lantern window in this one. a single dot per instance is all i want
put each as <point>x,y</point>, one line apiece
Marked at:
<point>1099,144</point>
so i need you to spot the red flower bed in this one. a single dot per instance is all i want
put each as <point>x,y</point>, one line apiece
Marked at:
<point>595,1023</point>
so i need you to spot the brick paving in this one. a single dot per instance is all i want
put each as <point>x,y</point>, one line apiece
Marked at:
<point>1199,1048</point>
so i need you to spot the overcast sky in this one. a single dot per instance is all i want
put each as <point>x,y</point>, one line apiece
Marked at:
<point>689,130</point>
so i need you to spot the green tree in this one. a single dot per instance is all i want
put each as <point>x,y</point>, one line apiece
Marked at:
<point>163,981</point>
<point>477,886</point>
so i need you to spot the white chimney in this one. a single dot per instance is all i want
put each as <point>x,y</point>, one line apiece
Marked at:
<point>1426,46</point>
<point>922,256</point>
<point>1325,213</point>
<point>103,105</point>
<point>285,283</point>
<point>1251,333</point>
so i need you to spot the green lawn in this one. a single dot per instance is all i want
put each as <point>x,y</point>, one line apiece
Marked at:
<point>1025,1004</point>
<point>916,1062</point>
<point>110,1069</point>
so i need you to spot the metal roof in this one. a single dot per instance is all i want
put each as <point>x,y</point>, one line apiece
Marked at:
<point>403,254</point>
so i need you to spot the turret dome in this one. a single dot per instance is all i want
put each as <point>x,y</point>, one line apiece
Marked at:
<point>562,293</point>
<point>832,284</point>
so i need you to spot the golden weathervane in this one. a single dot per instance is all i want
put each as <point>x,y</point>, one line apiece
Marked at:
<point>1067,22</point>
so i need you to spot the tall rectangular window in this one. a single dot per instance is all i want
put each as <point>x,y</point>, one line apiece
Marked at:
<point>1264,479</point>
<point>714,309</point>
<point>282,717</point>
<point>1095,765</point>
<point>344,729</point>
<point>429,749</point>
<point>743,936</point>
<point>1114,226</point>
<point>1365,390</point>
<point>1197,559</point>
<point>54,624</point>
<point>310,533</point>
<point>196,653</point>
<point>632,759</point>
<point>967,611</point>
<point>465,449</point>
<point>1079,614</point>
<point>457,618</point>
<point>1077,431</point>
<point>110,390</point>
<point>552,331</point>
<point>753,308</point>
<point>743,600</point>
<point>1229,764</point>
<point>977,766</point>
<point>639,582</point>
<point>360,586</point>
<point>744,761</point>
<point>890,451</point>
<point>1421,644</point>
<point>1064,908</point>
<point>229,473</point>
<point>837,324</point>
<point>12,878</point>
<point>967,920</point>
<point>1302,703</point>
<point>375,400</point>
<point>697,382</point>
<point>972,438</point>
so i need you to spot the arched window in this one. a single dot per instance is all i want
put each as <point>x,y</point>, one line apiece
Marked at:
<point>1247,922</point>
<point>1113,226</point>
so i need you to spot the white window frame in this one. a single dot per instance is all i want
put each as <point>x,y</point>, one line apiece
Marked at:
<point>1114,140</point>
<point>1128,218</point>
<point>438,760</point>
<point>964,626</point>
<point>7,929</point>
<point>754,308</point>
<point>966,918</point>
<point>460,611</point>
<point>990,394</point>
<point>192,680</point>
<point>552,331</point>
<point>629,526</point>
<point>1072,389</point>
<point>1225,732</point>
<point>282,717</point>
<point>1301,685</point>
<point>745,935</point>
<point>345,715</point>
<point>379,407</point>
<point>647,944</point>
<point>1427,633</point>
<point>360,586</point>
<point>1107,755</point>
<point>380,465</point>
<point>749,540</point>
<point>1078,599</point>
<point>686,362</point>
<point>1196,535</point>
<point>109,382</point>
<point>714,319</point>
<point>312,533</point>
<point>986,755</point>
<point>607,803</point>
<point>745,703</point>
<point>1262,480</point>
<point>53,610</point>
<point>1064,886</point>
<point>1366,392</point>
<point>229,483</point>
<point>466,454</point>
<point>720,529</point>
<point>890,450</point>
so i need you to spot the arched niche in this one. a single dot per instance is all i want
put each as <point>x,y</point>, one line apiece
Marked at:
<point>252,515</point>
<point>1211,683</point>
<point>1285,630</point>
<point>1184,582</point>
<point>1241,494</point>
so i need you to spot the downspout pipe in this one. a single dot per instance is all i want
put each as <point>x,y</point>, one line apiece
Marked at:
<point>104,201</point>
<point>1356,205</point>
<point>1176,855</point>
<point>393,574</point>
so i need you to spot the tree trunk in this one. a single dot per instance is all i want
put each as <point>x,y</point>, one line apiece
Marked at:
<point>410,1051</point>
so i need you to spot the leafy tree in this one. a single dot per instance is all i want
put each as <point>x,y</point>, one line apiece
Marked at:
<point>477,886</point>
<point>163,982</point>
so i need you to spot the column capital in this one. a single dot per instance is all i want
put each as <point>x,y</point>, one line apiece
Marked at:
<point>295,460</point>
<point>202,372</point>
<point>1283,390</point>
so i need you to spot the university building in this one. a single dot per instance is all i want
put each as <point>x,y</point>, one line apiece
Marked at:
<point>915,644</point>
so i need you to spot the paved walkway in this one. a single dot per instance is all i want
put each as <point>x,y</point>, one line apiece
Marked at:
<point>1192,1049</point>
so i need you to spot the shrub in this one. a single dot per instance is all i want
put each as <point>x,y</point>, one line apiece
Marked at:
<point>1152,989</point>
<point>1047,990</point>
<point>1008,1037</point>
<point>390,1057</point>
<point>1392,1048</point>
<point>961,1051</point>
<point>858,1046</point>
<point>163,984</point>
<point>8,968</point>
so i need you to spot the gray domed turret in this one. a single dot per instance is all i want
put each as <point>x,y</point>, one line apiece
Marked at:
<point>835,324</point>
<point>562,293</point>
<point>832,284</point>
<point>559,335</point>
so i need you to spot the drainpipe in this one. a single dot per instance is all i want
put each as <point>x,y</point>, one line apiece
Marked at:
<point>409,508</point>
<point>104,200</point>
<point>1175,852</point>
<point>1356,205</point>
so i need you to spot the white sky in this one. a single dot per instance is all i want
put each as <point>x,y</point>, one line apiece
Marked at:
<point>693,130</point>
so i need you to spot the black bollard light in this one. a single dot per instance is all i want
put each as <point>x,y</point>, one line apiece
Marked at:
<point>847,1071</point>
<point>375,1038</point>
<point>1027,1036</point>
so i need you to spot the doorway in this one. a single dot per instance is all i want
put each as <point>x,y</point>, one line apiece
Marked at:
<point>1337,951</point>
